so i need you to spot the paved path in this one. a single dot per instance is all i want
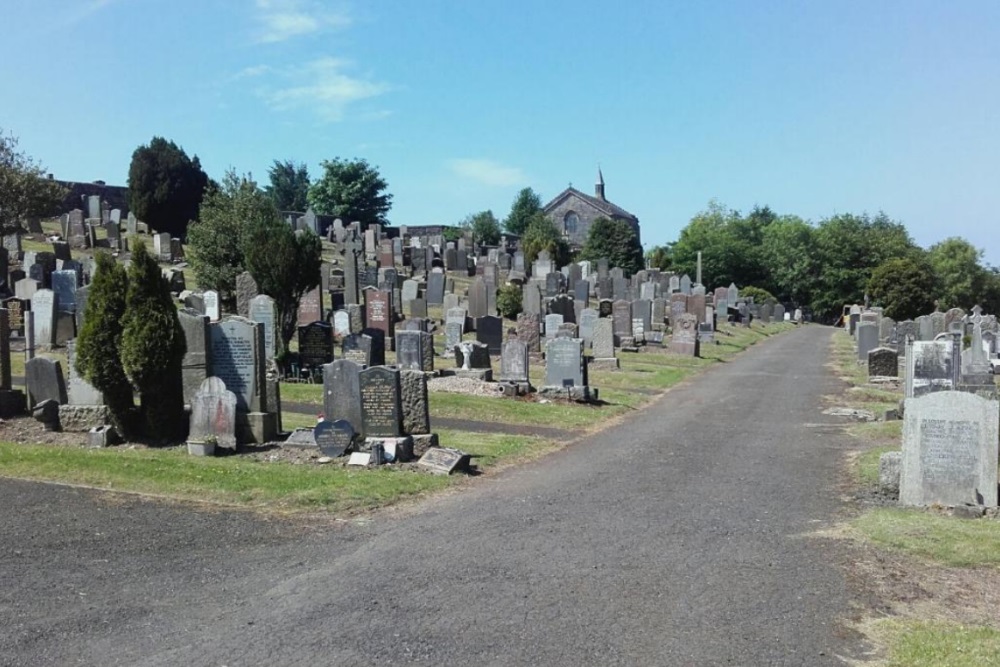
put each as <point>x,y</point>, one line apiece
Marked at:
<point>677,538</point>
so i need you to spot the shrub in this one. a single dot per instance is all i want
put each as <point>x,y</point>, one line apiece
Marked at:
<point>509,301</point>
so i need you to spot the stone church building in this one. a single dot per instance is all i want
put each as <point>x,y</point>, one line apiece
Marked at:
<point>573,212</point>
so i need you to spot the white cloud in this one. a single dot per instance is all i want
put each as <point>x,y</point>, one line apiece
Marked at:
<point>323,86</point>
<point>281,20</point>
<point>487,172</point>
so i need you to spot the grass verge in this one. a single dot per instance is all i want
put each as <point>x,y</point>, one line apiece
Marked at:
<point>942,539</point>
<point>937,644</point>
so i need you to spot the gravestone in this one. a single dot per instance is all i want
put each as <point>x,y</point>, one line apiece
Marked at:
<point>489,331</point>
<point>333,438</point>
<point>414,404</point>
<point>514,362</point>
<point>930,367</point>
<point>15,311</point>
<point>867,335</point>
<point>588,317</point>
<point>435,289</point>
<point>197,359</point>
<point>563,305</point>
<point>45,306</point>
<point>261,309</point>
<point>246,290</point>
<point>212,306</point>
<point>213,414</point>
<point>478,301</point>
<point>341,324</point>
<point>78,390</point>
<point>381,405</point>
<point>342,392</point>
<point>603,340</point>
<point>950,450</point>
<point>315,344</point>
<point>552,324</point>
<point>43,380</point>
<point>359,349</point>
<point>379,313</point>
<point>883,362</point>
<point>564,363</point>
<point>529,332</point>
<point>684,339</point>
<point>235,344</point>
<point>411,351</point>
<point>310,307</point>
<point>621,317</point>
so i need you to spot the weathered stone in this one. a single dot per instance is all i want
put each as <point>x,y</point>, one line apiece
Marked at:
<point>213,414</point>
<point>416,411</point>
<point>883,362</point>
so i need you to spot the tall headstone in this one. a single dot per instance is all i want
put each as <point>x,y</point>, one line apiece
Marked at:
<point>315,344</point>
<point>246,290</point>
<point>514,362</point>
<point>381,403</point>
<point>212,306</point>
<point>684,339</point>
<point>45,306</point>
<point>261,310</point>
<point>236,344</point>
<point>198,357</point>
<point>489,331</point>
<point>342,392</point>
<point>564,363</point>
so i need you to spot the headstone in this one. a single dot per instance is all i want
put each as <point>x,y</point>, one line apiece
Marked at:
<point>684,339</point>
<point>359,349</point>
<point>529,331</point>
<point>514,362</point>
<point>883,362</point>
<point>310,307</point>
<point>341,324</point>
<point>489,330</point>
<point>603,341</point>
<point>213,414</point>
<point>435,289</point>
<point>621,316</point>
<point>564,363</point>
<point>381,406</point>
<point>950,450</point>
<point>588,317</point>
<point>212,308</point>
<point>235,346</point>
<point>315,344</point>
<point>45,306</point>
<point>552,324</point>
<point>43,379</point>
<point>333,438</point>
<point>414,404</point>
<point>930,367</point>
<point>379,313</point>
<point>261,310</point>
<point>78,390</point>
<point>867,339</point>
<point>411,351</point>
<point>342,392</point>
<point>478,302</point>
<point>198,357</point>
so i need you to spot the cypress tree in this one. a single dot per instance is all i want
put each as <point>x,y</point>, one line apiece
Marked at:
<point>98,357</point>
<point>153,348</point>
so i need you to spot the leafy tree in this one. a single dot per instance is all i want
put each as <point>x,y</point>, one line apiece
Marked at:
<point>25,191</point>
<point>98,356</point>
<point>616,240</point>
<point>215,241</point>
<point>759,294</point>
<point>286,265</point>
<point>904,287</point>
<point>848,248</point>
<point>153,347</point>
<point>726,256</point>
<point>289,187</point>
<point>960,276</point>
<point>165,186</point>
<point>541,235</point>
<point>787,252</point>
<point>526,207</point>
<point>509,301</point>
<point>484,227</point>
<point>351,190</point>
<point>661,257</point>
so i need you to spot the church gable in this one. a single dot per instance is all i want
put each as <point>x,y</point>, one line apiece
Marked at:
<point>573,212</point>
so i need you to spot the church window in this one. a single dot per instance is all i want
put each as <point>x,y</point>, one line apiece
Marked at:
<point>570,222</point>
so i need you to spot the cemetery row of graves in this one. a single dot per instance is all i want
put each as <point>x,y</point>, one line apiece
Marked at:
<point>401,360</point>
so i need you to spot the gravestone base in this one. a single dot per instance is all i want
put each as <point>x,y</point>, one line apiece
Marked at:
<point>422,442</point>
<point>102,436</point>
<point>890,468</point>
<point>201,448</point>
<point>983,387</point>
<point>83,418</point>
<point>301,437</point>
<point>402,447</point>
<point>12,403</point>
<point>483,374</point>
<point>579,393</point>
<point>511,389</point>
<point>606,364</point>
<point>256,427</point>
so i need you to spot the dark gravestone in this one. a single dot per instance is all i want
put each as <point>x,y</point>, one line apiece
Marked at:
<point>563,305</point>
<point>15,308</point>
<point>64,284</point>
<point>415,406</point>
<point>381,405</point>
<point>310,307</point>
<point>478,301</point>
<point>410,350</point>
<point>43,378</point>
<point>342,392</point>
<point>883,362</point>
<point>357,348</point>
<point>333,437</point>
<point>246,290</point>
<point>316,344</point>
<point>235,346</point>
<point>197,358</point>
<point>379,312</point>
<point>435,289</point>
<point>605,308</point>
<point>377,347</point>
<point>621,317</point>
<point>528,332</point>
<point>489,331</point>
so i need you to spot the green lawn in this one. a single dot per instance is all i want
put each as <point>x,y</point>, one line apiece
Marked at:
<point>937,644</point>
<point>942,539</point>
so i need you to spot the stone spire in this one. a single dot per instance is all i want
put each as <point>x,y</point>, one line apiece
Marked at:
<point>599,186</point>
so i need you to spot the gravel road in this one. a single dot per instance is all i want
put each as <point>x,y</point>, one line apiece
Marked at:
<point>679,537</point>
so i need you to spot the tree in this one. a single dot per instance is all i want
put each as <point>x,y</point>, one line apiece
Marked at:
<point>352,190</point>
<point>904,287</point>
<point>289,188</point>
<point>165,186</point>
<point>661,257</point>
<point>616,240</point>
<point>848,248</point>
<point>25,192</point>
<point>509,301</point>
<point>153,347</point>
<point>285,264</point>
<point>541,235</point>
<point>215,240</point>
<point>788,255</point>
<point>726,256</point>
<point>960,276</point>
<point>484,227</point>
<point>758,294</point>
<point>526,207</point>
<point>98,347</point>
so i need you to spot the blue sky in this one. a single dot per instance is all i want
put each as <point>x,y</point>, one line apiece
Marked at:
<point>811,108</point>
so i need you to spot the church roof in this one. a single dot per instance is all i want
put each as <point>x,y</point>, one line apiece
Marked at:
<point>602,205</point>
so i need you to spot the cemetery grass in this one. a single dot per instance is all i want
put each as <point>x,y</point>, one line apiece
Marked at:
<point>228,480</point>
<point>937,575</point>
